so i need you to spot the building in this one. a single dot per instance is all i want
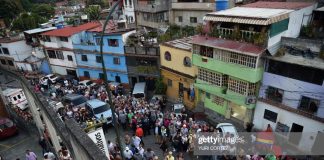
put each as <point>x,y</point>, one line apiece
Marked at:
<point>152,13</point>
<point>177,71</point>
<point>129,11</point>
<point>89,59</point>
<point>143,63</point>
<point>59,47</point>
<point>190,12</point>
<point>229,60</point>
<point>13,52</point>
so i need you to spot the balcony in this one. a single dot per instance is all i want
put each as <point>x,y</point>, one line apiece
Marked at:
<point>152,6</point>
<point>141,51</point>
<point>252,75</point>
<point>143,70</point>
<point>193,6</point>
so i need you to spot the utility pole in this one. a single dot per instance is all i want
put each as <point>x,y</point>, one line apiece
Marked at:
<point>105,77</point>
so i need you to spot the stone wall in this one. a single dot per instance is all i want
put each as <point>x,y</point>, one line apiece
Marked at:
<point>313,45</point>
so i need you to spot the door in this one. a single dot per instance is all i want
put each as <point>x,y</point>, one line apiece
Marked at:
<point>117,79</point>
<point>295,138</point>
<point>180,90</point>
<point>71,72</point>
<point>133,80</point>
<point>34,67</point>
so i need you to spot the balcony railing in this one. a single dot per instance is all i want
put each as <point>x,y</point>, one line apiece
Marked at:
<point>151,51</point>
<point>148,70</point>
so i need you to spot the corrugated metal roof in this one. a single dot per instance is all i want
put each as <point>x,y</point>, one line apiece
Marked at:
<point>39,30</point>
<point>183,43</point>
<point>245,15</point>
<point>279,5</point>
<point>69,31</point>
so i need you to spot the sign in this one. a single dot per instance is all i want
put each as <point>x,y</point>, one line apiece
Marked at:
<point>98,137</point>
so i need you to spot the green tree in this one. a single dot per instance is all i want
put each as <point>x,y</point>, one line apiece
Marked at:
<point>160,87</point>
<point>10,8</point>
<point>27,21</point>
<point>45,10</point>
<point>93,12</point>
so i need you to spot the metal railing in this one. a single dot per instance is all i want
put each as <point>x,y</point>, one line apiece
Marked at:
<point>152,51</point>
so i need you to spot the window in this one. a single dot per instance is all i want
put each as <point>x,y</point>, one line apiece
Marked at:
<point>98,41</point>
<point>86,74</point>
<point>47,38</point>
<point>242,87</point>
<point>15,98</point>
<point>187,62</point>
<point>167,56</point>
<point>51,54</point>
<point>309,104</point>
<point>84,58</point>
<point>3,61</point>
<point>98,59</point>
<point>113,42</point>
<point>101,76</point>
<point>169,83</point>
<point>116,60</point>
<point>70,58</point>
<point>64,39</point>
<point>278,27</point>
<point>193,19</point>
<point>59,55</point>
<point>130,2</point>
<point>271,116</point>
<point>19,97</point>
<point>275,94</point>
<point>218,100</point>
<point>206,51</point>
<point>5,51</point>
<point>180,19</point>
<point>212,77</point>
<point>10,63</point>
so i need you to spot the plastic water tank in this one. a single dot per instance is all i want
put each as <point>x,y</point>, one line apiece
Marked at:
<point>221,4</point>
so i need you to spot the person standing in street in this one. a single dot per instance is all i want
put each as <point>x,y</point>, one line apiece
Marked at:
<point>30,155</point>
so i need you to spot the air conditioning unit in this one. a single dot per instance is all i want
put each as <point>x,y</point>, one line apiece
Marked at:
<point>250,100</point>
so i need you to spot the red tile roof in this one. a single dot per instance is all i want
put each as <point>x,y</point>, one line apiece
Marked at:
<point>279,5</point>
<point>111,27</point>
<point>241,47</point>
<point>69,31</point>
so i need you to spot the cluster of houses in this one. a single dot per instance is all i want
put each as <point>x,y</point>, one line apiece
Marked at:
<point>260,63</point>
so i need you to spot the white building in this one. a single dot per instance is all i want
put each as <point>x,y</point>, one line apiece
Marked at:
<point>291,97</point>
<point>59,47</point>
<point>13,51</point>
<point>129,11</point>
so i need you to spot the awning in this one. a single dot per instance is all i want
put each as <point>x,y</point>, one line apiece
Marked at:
<point>246,20</point>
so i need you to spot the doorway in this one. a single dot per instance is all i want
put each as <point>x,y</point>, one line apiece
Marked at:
<point>294,137</point>
<point>133,80</point>
<point>71,72</point>
<point>117,79</point>
<point>180,90</point>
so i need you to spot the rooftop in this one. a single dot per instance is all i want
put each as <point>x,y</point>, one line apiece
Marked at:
<point>69,31</point>
<point>183,43</point>
<point>39,30</point>
<point>11,39</point>
<point>321,9</point>
<point>279,5</point>
<point>235,46</point>
<point>111,27</point>
<point>246,15</point>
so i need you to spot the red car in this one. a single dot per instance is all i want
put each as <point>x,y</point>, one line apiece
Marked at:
<point>7,128</point>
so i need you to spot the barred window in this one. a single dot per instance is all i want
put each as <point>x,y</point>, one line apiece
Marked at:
<point>236,58</point>
<point>242,87</point>
<point>218,100</point>
<point>212,77</point>
<point>59,55</point>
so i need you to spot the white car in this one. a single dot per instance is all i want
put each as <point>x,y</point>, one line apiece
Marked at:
<point>225,128</point>
<point>51,77</point>
<point>87,83</point>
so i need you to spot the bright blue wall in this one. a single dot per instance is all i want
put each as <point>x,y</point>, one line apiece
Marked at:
<point>94,74</point>
<point>110,49</point>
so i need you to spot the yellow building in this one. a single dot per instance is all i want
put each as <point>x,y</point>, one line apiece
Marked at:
<point>177,70</point>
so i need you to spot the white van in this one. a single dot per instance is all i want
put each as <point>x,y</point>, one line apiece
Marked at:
<point>16,97</point>
<point>139,90</point>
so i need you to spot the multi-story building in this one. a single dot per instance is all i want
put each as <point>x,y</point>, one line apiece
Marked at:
<point>229,60</point>
<point>129,11</point>
<point>152,13</point>
<point>177,70</point>
<point>59,47</point>
<point>143,63</point>
<point>190,12</point>
<point>89,60</point>
<point>13,52</point>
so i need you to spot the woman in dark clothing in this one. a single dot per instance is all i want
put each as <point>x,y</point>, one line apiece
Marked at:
<point>164,146</point>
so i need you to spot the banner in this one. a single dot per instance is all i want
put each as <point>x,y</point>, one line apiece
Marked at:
<point>98,137</point>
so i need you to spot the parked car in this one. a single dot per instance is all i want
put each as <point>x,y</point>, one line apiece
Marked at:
<point>51,77</point>
<point>7,128</point>
<point>227,128</point>
<point>98,108</point>
<point>87,83</point>
<point>75,99</point>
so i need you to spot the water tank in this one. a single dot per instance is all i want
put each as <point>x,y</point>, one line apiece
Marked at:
<point>221,4</point>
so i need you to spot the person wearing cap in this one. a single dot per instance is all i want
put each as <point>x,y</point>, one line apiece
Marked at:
<point>169,156</point>
<point>128,154</point>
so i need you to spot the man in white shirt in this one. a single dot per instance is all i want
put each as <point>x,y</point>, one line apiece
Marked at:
<point>136,141</point>
<point>128,153</point>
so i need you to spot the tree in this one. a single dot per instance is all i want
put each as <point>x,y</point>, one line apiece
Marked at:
<point>10,8</point>
<point>160,87</point>
<point>27,21</point>
<point>44,10</point>
<point>93,12</point>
